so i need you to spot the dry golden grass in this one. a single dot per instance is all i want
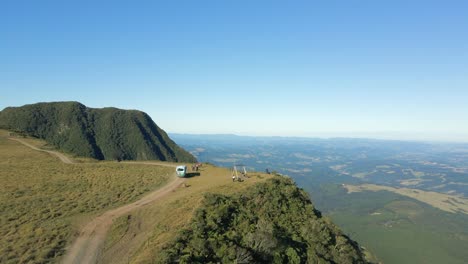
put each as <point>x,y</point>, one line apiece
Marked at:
<point>139,236</point>
<point>445,202</point>
<point>42,200</point>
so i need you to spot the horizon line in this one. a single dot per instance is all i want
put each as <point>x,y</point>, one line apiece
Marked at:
<point>328,136</point>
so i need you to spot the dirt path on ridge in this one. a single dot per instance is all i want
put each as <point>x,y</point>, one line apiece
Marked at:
<point>61,156</point>
<point>87,246</point>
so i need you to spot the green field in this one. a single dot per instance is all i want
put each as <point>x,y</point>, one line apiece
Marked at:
<point>42,200</point>
<point>397,229</point>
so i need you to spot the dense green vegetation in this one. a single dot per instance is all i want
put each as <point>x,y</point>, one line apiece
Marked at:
<point>272,222</point>
<point>108,133</point>
<point>42,198</point>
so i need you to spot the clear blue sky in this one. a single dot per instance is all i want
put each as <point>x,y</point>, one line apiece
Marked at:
<point>293,68</point>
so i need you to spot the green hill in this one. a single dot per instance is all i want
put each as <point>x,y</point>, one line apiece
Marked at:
<point>104,134</point>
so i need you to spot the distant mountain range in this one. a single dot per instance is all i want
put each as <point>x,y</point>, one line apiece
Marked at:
<point>104,134</point>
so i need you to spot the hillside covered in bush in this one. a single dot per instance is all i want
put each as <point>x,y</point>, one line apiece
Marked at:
<point>273,222</point>
<point>105,134</point>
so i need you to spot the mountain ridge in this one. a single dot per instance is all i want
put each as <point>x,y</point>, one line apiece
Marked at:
<point>102,133</point>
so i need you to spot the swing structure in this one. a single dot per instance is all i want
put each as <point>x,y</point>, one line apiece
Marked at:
<point>239,169</point>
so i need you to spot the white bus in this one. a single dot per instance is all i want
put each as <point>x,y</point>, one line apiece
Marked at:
<point>181,171</point>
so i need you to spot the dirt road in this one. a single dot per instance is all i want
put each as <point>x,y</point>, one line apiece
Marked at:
<point>87,246</point>
<point>62,157</point>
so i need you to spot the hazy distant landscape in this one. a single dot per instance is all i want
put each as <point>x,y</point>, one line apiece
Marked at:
<point>399,196</point>
<point>440,167</point>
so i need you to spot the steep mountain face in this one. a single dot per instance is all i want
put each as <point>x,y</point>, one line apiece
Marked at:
<point>105,134</point>
<point>273,222</point>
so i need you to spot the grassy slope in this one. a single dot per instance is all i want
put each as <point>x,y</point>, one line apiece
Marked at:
<point>139,237</point>
<point>396,228</point>
<point>42,199</point>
